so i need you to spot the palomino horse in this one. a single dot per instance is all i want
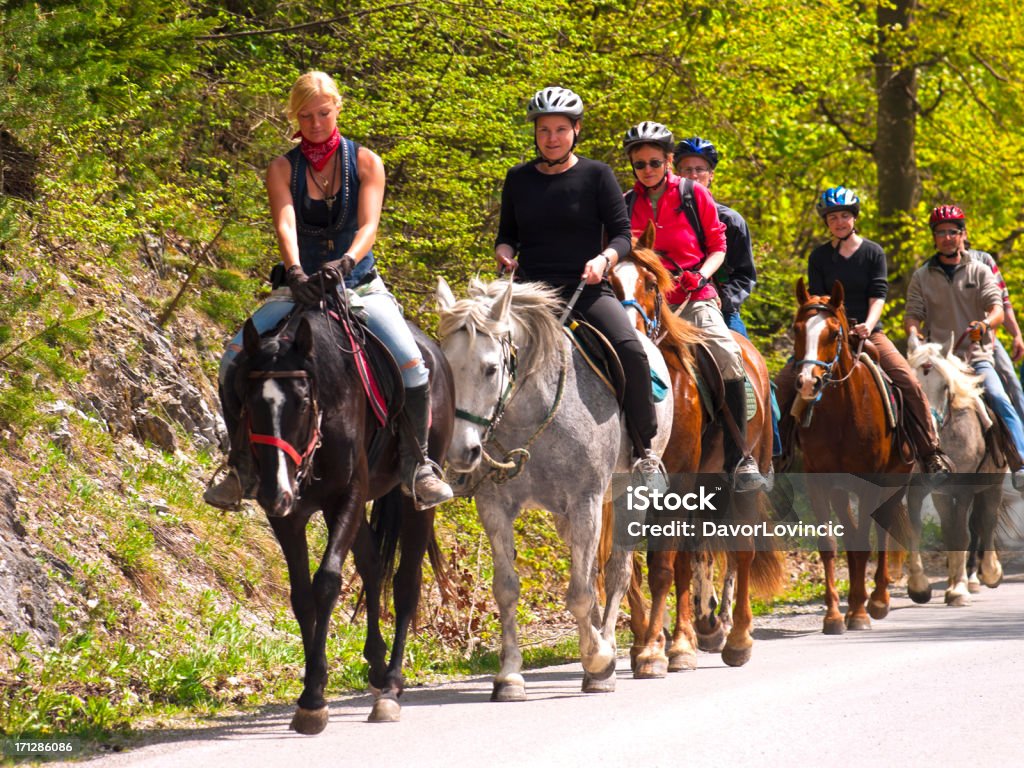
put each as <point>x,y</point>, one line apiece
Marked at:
<point>847,432</point>
<point>695,445</point>
<point>311,425</point>
<point>954,392</point>
<point>520,385</point>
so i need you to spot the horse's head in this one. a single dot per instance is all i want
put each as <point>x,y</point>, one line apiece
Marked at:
<point>947,381</point>
<point>282,412</point>
<point>821,339</point>
<point>477,340</point>
<point>640,281</point>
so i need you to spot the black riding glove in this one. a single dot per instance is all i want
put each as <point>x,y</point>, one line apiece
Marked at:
<point>304,290</point>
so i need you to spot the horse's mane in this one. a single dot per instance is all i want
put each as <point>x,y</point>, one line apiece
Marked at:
<point>533,314</point>
<point>679,333</point>
<point>964,385</point>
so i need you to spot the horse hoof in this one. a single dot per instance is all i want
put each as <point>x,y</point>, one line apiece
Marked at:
<point>603,682</point>
<point>920,597</point>
<point>993,582</point>
<point>712,642</point>
<point>973,585</point>
<point>858,623</point>
<point>878,610</point>
<point>957,600</point>
<point>682,662</point>
<point>511,689</point>
<point>386,709</point>
<point>634,653</point>
<point>651,669</point>
<point>736,657</point>
<point>309,722</point>
<point>834,627</point>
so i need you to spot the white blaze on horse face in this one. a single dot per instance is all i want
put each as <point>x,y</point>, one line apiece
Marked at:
<point>274,396</point>
<point>480,377</point>
<point>629,276</point>
<point>813,329</point>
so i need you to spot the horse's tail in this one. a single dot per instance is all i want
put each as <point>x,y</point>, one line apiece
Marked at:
<point>386,518</point>
<point>768,570</point>
<point>768,573</point>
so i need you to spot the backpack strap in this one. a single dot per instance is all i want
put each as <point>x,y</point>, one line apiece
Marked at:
<point>688,205</point>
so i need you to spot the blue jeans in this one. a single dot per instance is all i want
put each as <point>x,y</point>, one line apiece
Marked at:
<point>735,323</point>
<point>373,303</point>
<point>996,397</point>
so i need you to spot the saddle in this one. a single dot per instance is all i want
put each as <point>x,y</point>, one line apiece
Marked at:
<point>884,384</point>
<point>599,354</point>
<point>711,386</point>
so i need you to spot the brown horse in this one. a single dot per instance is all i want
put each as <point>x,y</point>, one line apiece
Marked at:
<point>847,434</point>
<point>695,445</point>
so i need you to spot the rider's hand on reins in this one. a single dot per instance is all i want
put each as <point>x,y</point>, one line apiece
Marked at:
<point>596,269</point>
<point>304,290</point>
<point>977,331</point>
<point>505,264</point>
<point>692,281</point>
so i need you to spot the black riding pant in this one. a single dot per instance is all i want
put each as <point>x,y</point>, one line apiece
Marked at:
<point>599,306</point>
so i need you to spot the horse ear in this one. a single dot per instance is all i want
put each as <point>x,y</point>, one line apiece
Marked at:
<point>801,291</point>
<point>500,308</point>
<point>952,341</point>
<point>445,297</point>
<point>836,299</point>
<point>647,238</point>
<point>250,338</point>
<point>304,337</point>
<point>913,342</point>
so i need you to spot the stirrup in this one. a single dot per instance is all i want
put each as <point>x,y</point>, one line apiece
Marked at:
<point>651,471</point>
<point>426,471</point>
<point>747,476</point>
<point>937,464</point>
<point>227,494</point>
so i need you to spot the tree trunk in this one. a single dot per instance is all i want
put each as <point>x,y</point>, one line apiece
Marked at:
<point>899,184</point>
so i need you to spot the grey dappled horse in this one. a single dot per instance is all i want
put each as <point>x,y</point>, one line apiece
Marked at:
<point>954,392</point>
<point>519,384</point>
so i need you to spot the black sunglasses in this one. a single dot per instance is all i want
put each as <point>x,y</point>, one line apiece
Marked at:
<point>640,165</point>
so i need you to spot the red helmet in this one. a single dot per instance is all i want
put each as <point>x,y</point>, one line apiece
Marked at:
<point>943,213</point>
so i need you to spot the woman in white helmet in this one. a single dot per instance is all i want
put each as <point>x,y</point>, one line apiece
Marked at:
<point>556,211</point>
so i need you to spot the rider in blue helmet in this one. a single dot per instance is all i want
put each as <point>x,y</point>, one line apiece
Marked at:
<point>860,265</point>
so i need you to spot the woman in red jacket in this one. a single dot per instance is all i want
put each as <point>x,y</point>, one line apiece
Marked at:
<point>656,197</point>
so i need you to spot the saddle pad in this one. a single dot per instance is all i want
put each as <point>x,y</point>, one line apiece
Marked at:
<point>598,353</point>
<point>884,388</point>
<point>707,367</point>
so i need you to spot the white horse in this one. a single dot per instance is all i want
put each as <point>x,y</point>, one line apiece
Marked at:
<point>954,392</point>
<point>530,409</point>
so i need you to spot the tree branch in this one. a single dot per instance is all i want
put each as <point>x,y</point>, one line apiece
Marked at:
<point>974,94</point>
<point>307,25</point>
<point>52,326</point>
<point>991,70</point>
<point>166,314</point>
<point>835,122</point>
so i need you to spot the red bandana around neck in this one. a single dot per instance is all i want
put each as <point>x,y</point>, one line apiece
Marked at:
<point>319,154</point>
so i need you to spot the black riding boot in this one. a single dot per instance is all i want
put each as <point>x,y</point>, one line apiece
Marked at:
<point>418,472</point>
<point>239,480</point>
<point>744,470</point>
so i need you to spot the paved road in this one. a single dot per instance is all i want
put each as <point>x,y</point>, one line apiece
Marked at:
<point>929,685</point>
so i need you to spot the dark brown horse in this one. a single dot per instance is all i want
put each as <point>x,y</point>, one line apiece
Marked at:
<point>846,434</point>
<point>312,428</point>
<point>695,445</point>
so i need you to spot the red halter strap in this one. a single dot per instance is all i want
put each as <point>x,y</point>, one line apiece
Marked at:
<point>277,442</point>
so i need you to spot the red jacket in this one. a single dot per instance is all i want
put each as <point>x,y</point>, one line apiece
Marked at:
<point>674,238</point>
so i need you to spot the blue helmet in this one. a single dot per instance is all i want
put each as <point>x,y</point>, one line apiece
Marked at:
<point>695,145</point>
<point>838,199</point>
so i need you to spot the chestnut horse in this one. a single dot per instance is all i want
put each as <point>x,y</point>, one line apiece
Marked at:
<point>695,445</point>
<point>847,433</point>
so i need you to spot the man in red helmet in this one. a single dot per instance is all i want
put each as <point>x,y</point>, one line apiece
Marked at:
<point>954,294</point>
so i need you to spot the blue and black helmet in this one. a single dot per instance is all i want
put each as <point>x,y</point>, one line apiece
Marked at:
<point>838,199</point>
<point>695,145</point>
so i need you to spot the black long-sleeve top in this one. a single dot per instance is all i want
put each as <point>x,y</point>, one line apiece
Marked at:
<point>558,222</point>
<point>864,276</point>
